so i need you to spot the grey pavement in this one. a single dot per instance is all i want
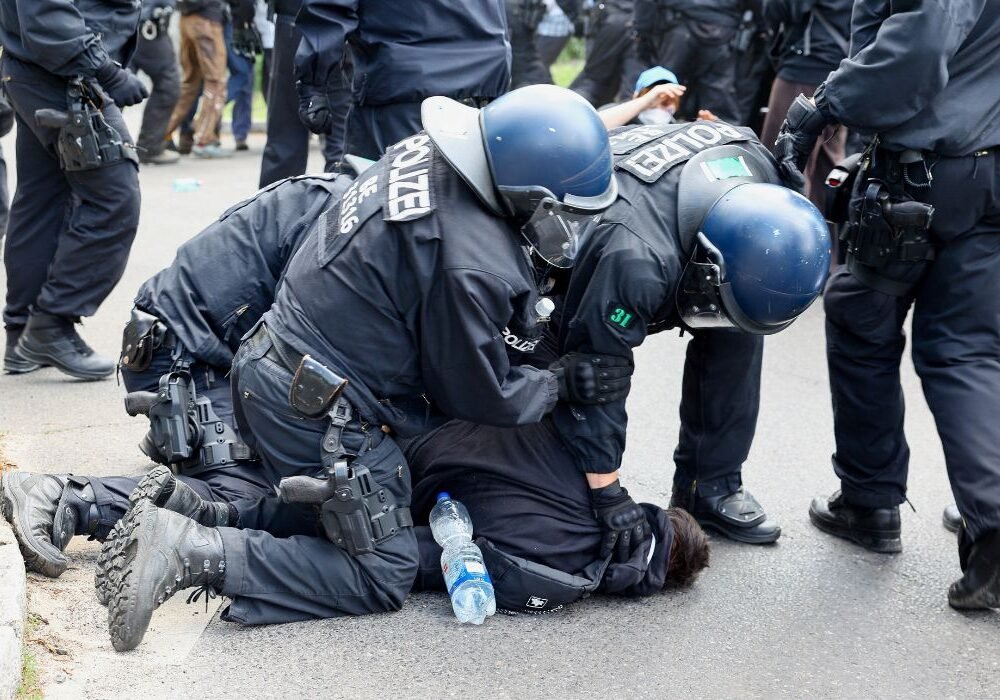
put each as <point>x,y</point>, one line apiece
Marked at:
<point>810,616</point>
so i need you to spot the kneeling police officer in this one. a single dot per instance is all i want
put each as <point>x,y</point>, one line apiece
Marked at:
<point>922,81</point>
<point>390,318</point>
<point>177,349</point>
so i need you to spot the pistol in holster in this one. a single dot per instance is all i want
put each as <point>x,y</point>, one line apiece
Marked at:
<point>888,228</point>
<point>356,512</point>
<point>86,140</point>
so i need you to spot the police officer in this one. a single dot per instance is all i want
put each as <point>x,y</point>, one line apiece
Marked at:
<point>76,207</point>
<point>186,325</point>
<point>390,318</point>
<point>694,39</point>
<point>403,53</point>
<point>526,67</point>
<point>155,56</point>
<point>679,250</point>
<point>922,80</point>
<point>287,148</point>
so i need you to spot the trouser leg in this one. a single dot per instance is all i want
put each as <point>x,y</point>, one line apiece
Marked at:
<point>956,334</point>
<point>864,344</point>
<point>210,45</point>
<point>601,76</point>
<point>287,147</point>
<point>4,198</point>
<point>715,79</point>
<point>239,88</point>
<point>719,407</point>
<point>191,76</point>
<point>549,48</point>
<point>158,60</point>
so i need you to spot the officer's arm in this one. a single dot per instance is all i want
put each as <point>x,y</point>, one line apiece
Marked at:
<point>626,289</point>
<point>894,77</point>
<point>325,26</point>
<point>57,36</point>
<point>465,365</point>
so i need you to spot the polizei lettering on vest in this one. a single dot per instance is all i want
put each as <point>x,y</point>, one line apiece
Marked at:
<point>520,344</point>
<point>409,193</point>
<point>651,162</point>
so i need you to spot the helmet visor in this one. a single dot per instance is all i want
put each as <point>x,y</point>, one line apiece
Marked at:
<point>557,231</point>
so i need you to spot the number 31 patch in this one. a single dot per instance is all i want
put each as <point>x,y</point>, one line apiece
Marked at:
<point>620,317</point>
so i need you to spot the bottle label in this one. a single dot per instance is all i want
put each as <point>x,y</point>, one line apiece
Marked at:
<point>467,570</point>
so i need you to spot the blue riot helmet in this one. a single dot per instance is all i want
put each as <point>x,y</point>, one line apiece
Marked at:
<point>539,155</point>
<point>761,258</point>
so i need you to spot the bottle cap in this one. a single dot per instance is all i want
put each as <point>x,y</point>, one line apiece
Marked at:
<point>545,307</point>
<point>443,496</point>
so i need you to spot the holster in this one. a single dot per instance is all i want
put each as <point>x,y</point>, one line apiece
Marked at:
<point>86,140</point>
<point>144,333</point>
<point>357,513</point>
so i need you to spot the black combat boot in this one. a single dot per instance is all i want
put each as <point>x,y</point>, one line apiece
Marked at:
<point>979,587</point>
<point>29,502</point>
<point>161,488</point>
<point>13,361</point>
<point>53,340</point>
<point>160,553</point>
<point>951,518</point>
<point>736,514</point>
<point>877,529</point>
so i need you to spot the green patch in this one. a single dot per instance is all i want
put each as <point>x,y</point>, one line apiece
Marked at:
<point>725,168</point>
<point>31,686</point>
<point>620,317</point>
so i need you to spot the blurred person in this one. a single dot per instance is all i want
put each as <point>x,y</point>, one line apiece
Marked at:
<point>611,62</point>
<point>155,56</point>
<point>523,18</point>
<point>812,38</point>
<point>555,30</point>
<point>243,43</point>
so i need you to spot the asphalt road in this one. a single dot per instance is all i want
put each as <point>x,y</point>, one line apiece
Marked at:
<point>809,616</point>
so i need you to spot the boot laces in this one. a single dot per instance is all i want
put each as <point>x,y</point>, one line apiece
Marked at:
<point>204,580</point>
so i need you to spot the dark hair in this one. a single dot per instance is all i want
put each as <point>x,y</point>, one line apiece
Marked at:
<point>689,552</point>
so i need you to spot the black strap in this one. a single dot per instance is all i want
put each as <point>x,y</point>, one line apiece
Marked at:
<point>834,33</point>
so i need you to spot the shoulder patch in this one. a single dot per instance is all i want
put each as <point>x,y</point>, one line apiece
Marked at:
<point>655,158</point>
<point>338,224</point>
<point>619,317</point>
<point>408,194</point>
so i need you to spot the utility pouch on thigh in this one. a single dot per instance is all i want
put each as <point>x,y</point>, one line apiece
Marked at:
<point>524,586</point>
<point>314,388</point>
<point>143,335</point>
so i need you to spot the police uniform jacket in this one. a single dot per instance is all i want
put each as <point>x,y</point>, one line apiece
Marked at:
<point>409,290</point>
<point>69,38</point>
<point>407,51</point>
<point>923,74</point>
<point>224,279</point>
<point>625,280</point>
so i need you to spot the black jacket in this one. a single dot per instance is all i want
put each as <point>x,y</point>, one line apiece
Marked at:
<point>807,50</point>
<point>224,279</point>
<point>215,10</point>
<point>406,51</point>
<point>69,38</point>
<point>923,74</point>
<point>624,284</point>
<point>410,290</point>
<point>149,6</point>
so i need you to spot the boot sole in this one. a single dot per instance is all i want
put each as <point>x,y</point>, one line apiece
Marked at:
<point>873,543</point>
<point>12,500</point>
<point>127,620</point>
<point>151,487</point>
<point>52,361</point>
<point>112,547</point>
<point>20,366</point>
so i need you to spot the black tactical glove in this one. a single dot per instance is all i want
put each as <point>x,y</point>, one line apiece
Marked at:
<point>796,140</point>
<point>622,519</point>
<point>246,41</point>
<point>592,379</point>
<point>242,12</point>
<point>122,86</point>
<point>314,109</point>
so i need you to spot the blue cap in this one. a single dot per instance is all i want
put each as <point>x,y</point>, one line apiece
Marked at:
<point>443,496</point>
<point>654,75</point>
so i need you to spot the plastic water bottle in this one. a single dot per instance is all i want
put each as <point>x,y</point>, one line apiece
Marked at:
<point>465,574</point>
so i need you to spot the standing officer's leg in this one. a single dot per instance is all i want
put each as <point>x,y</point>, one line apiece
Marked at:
<point>287,147</point>
<point>956,352</point>
<point>157,59</point>
<point>715,76</point>
<point>371,130</point>
<point>864,344</point>
<point>601,76</point>
<point>719,406</point>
